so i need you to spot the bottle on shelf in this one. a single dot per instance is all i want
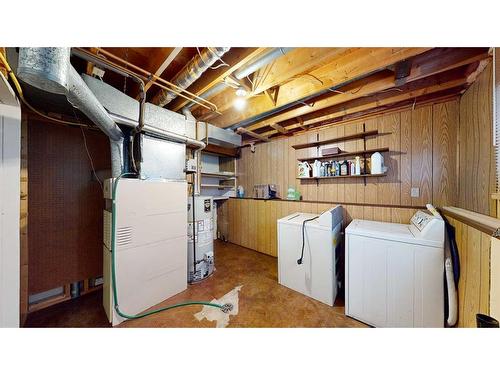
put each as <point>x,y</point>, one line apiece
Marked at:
<point>344,168</point>
<point>357,166</point>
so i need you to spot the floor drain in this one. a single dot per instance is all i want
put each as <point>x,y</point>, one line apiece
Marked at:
<point>227,307</point>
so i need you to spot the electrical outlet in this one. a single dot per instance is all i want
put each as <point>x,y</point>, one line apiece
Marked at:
<point>415,192</point>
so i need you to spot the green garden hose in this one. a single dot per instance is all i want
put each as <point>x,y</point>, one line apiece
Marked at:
<point>225,308</point>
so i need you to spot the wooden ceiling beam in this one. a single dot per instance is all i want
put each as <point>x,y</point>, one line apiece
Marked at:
<point>252,134</point>
<point>164,65</point>
<point>279,128</point>
<point>90,66</point>
<point>365,104</point>
<point>349,65</point>
<point>235,58</point>
<point>423,66</point>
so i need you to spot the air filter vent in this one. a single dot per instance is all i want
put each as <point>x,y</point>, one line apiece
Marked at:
<point>124,236</point>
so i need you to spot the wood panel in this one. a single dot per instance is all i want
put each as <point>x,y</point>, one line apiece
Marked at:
<point>476,172</point>
<point>474,248</point>
<point>423,148</point>
<point>65,203</point>
<point>253,222</point>
<point>445,149</point>
<point>421,154</point>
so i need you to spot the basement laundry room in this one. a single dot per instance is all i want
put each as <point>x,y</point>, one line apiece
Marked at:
<point>249,187</point>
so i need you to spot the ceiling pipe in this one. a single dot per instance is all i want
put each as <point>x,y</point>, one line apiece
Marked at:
<point>190,73</point>
<point>49,69</point>
<point>245,71</point>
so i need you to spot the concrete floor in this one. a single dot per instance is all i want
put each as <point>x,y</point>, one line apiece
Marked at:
<point>262,301</point>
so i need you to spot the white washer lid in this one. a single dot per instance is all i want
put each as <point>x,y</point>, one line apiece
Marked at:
<point>388,231</point>
<point>296,219</point>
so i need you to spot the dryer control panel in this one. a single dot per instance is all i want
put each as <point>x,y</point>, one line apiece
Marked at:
<point>421,219</point>
<point>428,226</point>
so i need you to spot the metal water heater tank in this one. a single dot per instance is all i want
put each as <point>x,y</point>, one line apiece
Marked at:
<point>201,250</point>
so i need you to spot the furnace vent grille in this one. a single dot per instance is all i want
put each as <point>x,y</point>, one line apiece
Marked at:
<point>124,236</point>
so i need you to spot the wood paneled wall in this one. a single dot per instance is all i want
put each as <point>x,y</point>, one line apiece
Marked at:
<point>65,205</point>
<point>476,162</point>
<point>474,248</point>
<point>252,223</point>
<point>423,144</point>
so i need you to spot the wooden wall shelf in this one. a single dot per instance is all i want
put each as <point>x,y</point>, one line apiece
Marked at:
<point>348,176</point>
<point>221,175</point>
<point>344,154</point>
<point>218,186</point>
<point>334,140</point>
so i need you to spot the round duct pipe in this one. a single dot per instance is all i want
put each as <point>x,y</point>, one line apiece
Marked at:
<point>190,73</point>
<point>45,68</point>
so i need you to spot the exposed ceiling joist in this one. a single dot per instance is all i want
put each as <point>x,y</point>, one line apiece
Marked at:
<point>90,66</point>
<point>235,58</point>
<point>380,100</point>
<point>279,128</point>
<point>252,134</point>
<point>165,64</point>
<point>350,65</point>
<point>300,122</point>
<point>423,66</point>
<point>296,63</point>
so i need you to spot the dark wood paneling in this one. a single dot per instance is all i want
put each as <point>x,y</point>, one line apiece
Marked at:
<point>422,145</point>
<point>421,154</point>
<point>445,148</point>
<point>476,168</point>
<point>65,205</point>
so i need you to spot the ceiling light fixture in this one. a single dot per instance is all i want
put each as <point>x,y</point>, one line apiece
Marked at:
<point>241,92</point>
<point>240,103</point>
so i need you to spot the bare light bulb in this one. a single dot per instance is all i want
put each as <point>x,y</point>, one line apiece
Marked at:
<point>240,103</point>
<point>241,92</point>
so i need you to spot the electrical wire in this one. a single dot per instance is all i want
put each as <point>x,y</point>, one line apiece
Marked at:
<point>225,308</point>
<point>23,99</point>
<point>218,57</point>
<point>299,261</point>
<point>90,159</point>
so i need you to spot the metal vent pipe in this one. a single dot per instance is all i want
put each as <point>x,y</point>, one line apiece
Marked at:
<point>245,71</point>
<point>49,69</point>
<point>190,73</point>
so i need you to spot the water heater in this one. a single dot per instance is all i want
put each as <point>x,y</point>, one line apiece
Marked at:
<point>200,238</point>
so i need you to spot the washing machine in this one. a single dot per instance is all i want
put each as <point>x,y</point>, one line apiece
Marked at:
<point>394,272</point>
<point>308,246</point>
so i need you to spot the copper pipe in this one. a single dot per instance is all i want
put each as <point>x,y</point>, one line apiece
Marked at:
<point>148,78</point>
<point>150,75</point>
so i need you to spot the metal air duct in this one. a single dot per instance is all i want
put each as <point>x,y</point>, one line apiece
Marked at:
<point>190,73</point>
<point>243,72</point>
<point>50,69</point>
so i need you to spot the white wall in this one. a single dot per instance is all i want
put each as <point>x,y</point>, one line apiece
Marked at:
<point>10,145</point>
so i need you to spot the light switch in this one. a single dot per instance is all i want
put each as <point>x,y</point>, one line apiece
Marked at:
<point>415,192</point>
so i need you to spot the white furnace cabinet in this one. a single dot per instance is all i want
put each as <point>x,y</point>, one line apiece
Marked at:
<point>316,277</point>
<point>151,244</point>
<point>395,272</point>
